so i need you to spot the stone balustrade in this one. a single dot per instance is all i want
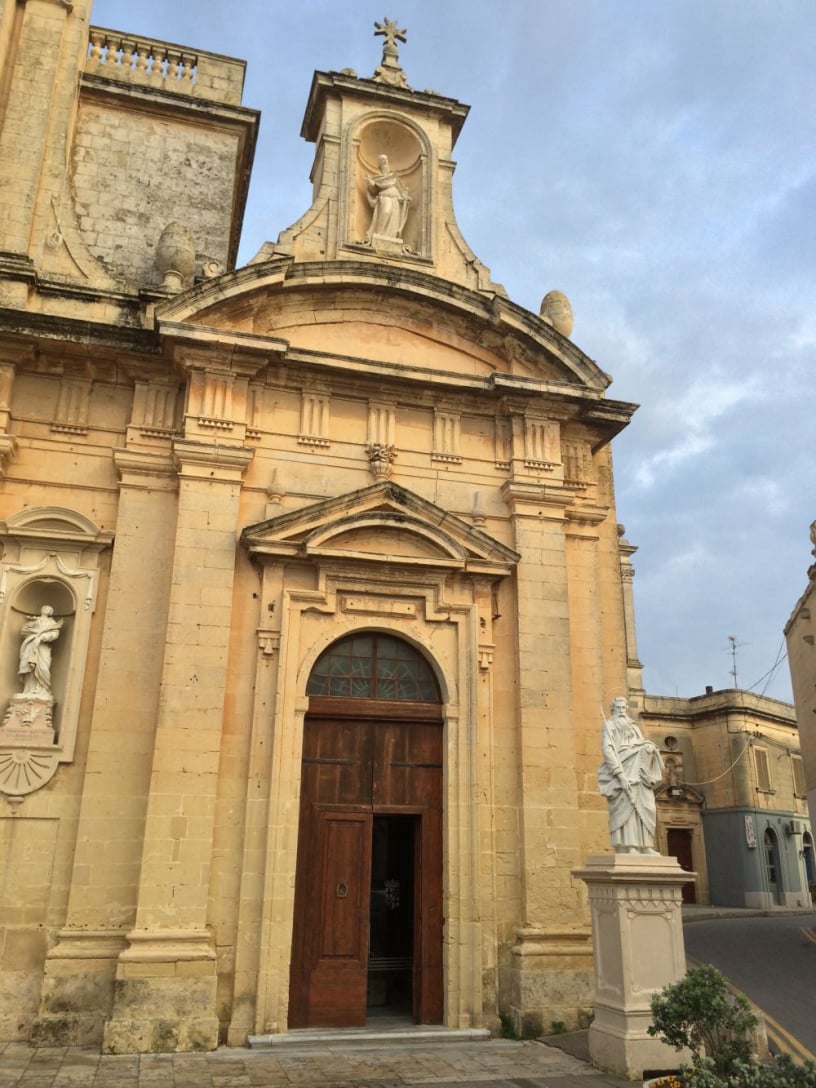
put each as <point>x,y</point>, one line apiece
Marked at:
<point>174,68</point>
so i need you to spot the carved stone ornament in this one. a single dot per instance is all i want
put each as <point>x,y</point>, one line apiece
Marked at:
<point>389,70</point>
<point>380,460</point>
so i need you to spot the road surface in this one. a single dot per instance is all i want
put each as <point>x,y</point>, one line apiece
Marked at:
<point>773,961</point>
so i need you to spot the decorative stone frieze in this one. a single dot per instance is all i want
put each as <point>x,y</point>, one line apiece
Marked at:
<point>73,406</point>
<point>447,437</point>
<point>314,420</point>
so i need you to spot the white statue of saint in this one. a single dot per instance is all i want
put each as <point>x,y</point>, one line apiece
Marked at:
<point>389,203</point>
<point>35,653</point>
<point>632,767</point>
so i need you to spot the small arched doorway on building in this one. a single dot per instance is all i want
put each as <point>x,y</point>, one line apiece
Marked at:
<point>679,845</point>
<point>810,864</point>
<point>771,848</point>
<point>367,935</point>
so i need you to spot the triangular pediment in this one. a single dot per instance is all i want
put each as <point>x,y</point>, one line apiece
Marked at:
<point>384,524</point>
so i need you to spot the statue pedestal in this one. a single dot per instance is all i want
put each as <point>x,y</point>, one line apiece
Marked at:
<point>637,937</point>
<point>28,721</point>
<point>382,243</point>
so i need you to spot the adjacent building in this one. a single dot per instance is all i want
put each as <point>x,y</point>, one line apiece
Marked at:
<point>732,807</point>
<point>800,633</point>
<point>311,584</point>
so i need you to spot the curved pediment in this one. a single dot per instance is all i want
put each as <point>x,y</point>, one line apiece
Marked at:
<point>383,523</point>
<point>348,311</point>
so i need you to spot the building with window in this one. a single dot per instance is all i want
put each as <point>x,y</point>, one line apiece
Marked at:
<point>311,585</point>
<point>732,807</point>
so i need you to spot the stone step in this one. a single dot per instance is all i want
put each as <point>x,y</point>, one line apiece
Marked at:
<point>417,1034</point>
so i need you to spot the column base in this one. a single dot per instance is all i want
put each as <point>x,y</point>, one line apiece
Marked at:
<point>165,981</point>
<point>76,996</point>
<point>551,981</point>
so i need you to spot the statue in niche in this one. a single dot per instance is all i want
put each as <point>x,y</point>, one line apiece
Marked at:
<point>389,203</point>
<point>35,653</point>
<point>632,767</point>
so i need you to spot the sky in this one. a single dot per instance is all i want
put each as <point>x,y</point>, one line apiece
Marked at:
<point>656,161</point>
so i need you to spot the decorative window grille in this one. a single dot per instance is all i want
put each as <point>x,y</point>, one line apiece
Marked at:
<point>373,667</point>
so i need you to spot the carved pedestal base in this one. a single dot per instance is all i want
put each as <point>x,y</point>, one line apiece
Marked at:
<point>394,247</point>
<point>28,721</point>
<point>637,936</point>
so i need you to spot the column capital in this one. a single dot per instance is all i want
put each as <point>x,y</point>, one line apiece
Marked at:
<point>145,468</point>
<point>523,495</point>
<point>211,461</point>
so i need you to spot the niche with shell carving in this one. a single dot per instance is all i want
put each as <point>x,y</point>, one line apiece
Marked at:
<point>389,187</point>
<point>48,584</point>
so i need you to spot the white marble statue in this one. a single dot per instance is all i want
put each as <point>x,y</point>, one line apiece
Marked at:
<point>389,203</point>
<point>35,653</point>
<point>632,767</point>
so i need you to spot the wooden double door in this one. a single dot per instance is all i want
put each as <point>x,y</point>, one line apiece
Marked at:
<point>368,891</point>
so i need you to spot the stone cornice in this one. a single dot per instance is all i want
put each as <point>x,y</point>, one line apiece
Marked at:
<point>495,313</point>
<point>325,84</point>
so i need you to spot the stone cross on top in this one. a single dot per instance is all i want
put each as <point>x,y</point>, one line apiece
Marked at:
<point>389,70</point>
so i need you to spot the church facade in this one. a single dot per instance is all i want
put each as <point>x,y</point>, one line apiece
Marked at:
<point>311,589</point>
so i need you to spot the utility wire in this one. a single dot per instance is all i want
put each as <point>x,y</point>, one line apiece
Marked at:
<point>725,772</point>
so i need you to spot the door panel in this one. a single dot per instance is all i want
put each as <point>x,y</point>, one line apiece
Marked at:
<point>353,768</point>
<point>338,948</point>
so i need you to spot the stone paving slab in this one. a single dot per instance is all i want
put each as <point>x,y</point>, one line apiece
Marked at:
<point>495,1063</point>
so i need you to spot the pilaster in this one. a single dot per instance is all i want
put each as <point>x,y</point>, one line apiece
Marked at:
<point>166,978</point>
<point>551,957</point>
<point>77,991</point>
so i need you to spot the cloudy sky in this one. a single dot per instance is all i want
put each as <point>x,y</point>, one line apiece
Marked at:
<point>655,160</point>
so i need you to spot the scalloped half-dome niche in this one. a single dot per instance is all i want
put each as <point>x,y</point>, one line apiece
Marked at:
<point>389,189</point>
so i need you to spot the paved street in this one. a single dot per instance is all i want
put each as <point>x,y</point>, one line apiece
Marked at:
<point>494,1063</point>
<point>772,959</point>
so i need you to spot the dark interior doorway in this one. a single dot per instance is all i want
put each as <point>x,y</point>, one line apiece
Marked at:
<point>678,842</point>
<point>392,915</point>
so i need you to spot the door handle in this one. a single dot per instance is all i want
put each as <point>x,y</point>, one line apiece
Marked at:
<point>342,890</point>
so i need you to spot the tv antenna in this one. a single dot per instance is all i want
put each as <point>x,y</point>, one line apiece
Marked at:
<point>732,649</point>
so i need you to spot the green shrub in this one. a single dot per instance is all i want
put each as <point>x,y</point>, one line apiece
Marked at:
<point>699,1013</point>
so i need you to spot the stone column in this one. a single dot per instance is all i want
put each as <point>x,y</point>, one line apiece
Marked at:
<point>166,978</point>
<point>77,989</point>
<point>637,934</point>
<point>552,956</point>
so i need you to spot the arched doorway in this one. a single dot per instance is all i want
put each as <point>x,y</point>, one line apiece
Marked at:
<point>771,847</point>
<point>810,862</point>
<point>367,934</point>
<point>679,845</point>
